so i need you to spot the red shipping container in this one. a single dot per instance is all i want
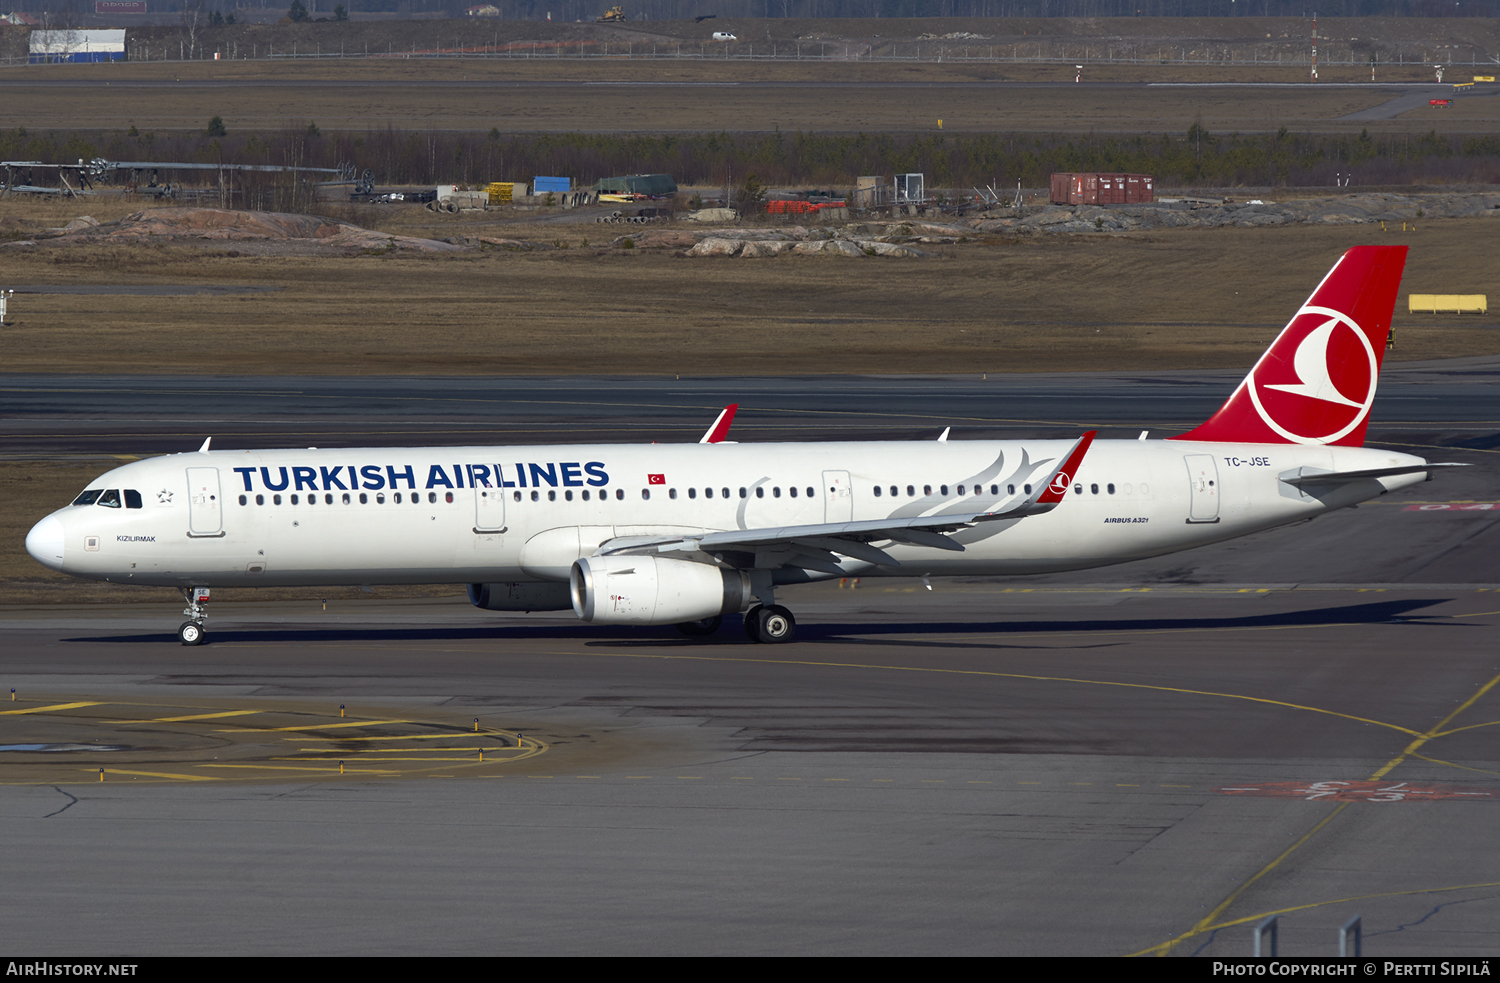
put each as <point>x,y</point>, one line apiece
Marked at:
<point>1101,189</point>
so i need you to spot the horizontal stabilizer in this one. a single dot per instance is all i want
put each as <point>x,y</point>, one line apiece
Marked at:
<point>1302,477</point>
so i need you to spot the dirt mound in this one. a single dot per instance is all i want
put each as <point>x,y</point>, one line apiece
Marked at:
<point>218,224</point>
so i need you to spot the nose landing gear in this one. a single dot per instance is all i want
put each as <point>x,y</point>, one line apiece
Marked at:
<point>192,632</point>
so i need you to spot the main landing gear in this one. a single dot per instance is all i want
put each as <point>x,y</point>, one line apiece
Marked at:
<point>192,632</point>
<point>763,623</point>
<point>770,623</point>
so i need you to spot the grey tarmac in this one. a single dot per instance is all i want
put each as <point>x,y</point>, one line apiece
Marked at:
<point>1146,758</point>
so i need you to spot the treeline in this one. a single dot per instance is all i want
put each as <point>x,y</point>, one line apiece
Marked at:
<point>572,10</point>
<point>587,10</point>
<point>792,160</point>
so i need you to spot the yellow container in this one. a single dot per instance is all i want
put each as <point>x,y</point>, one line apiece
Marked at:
<point>500,191</point>
<point>1448,303</point>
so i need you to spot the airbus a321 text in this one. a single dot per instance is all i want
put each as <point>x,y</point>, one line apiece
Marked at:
<point>684,534</point>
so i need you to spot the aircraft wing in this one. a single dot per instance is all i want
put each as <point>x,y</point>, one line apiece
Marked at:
<point>818,545</point>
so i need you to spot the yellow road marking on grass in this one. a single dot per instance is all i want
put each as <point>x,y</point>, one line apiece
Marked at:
<point>55,707</point>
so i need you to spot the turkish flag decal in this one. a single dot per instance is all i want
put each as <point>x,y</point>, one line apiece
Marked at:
<point>656,479</point>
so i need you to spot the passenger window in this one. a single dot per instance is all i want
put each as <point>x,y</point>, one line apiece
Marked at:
<point>911,491</point>
<point>133,499</point>
<point>432,498</point>
<point>1094,489</point>
<point>551,496</point>
<point>1078,488</point>
<point>1110,488</point>
<point>1027,489</point>
<point>760,491</point>
<point>364,499</point>
<point>994,489</point>
<point>943,490</point>
<point>725,491</point>
<point>645,494</point>
<point>396,498</point>
<point>926,489</point>
<point>877,491</point>
<point>744,493</point>
<point>243,501</point>
<point>447,497</point>
<point>692,493</point>
<point>516,496</point>
<point>567,495</point>
<point>586,495</point>
<point>1010,489</point>
<point>294,499</point>
<point>275,499</point>
<point>380,498</point>
<point>260,499</point>
<point>960,489</point>
<point>88,497</point>
<point>619,494</point>
<point>792,491</point>
<point>776,492</point>
<point>346,498</point>
<point>672,493</point>
<point>810,492</point>
<point>328,499</point>
<point>110,499</point>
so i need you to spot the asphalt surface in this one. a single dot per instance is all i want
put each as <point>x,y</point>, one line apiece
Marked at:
<point>1147,758</point>
<point>71,414</point>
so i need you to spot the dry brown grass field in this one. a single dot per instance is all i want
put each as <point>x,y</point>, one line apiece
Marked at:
<point>1189,298</point>
<point>629,96</point>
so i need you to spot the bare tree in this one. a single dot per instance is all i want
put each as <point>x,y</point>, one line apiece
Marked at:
<point>193,17</point>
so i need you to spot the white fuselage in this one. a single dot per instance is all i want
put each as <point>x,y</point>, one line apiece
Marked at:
<point>488,514</point>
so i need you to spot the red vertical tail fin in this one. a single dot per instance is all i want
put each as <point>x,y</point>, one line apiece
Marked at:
<point>1316,383</point>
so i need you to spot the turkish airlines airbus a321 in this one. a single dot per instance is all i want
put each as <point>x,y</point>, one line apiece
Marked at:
<point>685,534</point>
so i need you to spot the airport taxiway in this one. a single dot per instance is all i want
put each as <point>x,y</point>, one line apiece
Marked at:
<point>1143,759</point>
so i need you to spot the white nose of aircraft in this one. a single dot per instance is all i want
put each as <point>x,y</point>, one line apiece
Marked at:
<point>45,542</point>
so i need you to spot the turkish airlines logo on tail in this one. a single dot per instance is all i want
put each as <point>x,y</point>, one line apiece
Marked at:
<point>1060,483</point>
<point>1317,383</point>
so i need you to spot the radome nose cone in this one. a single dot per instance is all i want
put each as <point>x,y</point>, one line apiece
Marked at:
<point>45,542</point>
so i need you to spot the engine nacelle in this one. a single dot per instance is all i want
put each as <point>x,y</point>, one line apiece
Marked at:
<point>521,596</point>
<point>654,590</point>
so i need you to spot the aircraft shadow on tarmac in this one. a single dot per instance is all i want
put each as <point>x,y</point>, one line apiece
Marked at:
<point>1378,612</point>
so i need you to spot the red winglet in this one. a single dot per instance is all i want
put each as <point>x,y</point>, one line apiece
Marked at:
<point>1057,485</point>
<point>720,429</point>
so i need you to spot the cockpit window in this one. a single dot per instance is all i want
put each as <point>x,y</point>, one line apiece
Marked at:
<point>110,499</point>
<point>89,497</point>
<point>132,498</point>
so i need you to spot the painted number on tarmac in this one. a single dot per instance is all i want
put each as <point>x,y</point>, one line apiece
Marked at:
<point>1334,791</point>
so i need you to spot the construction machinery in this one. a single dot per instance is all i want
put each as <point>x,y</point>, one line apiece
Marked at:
<point>614,15</point>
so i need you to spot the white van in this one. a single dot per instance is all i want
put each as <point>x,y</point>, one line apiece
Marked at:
<point>724,36</point>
